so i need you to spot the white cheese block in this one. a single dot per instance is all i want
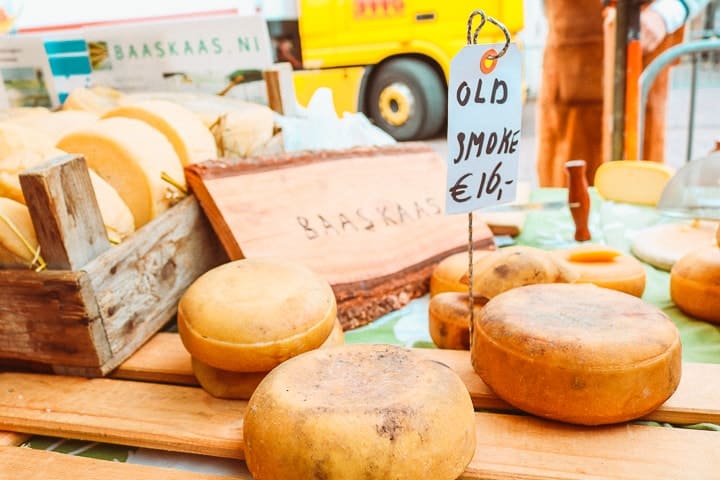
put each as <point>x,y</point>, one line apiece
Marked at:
<point>14,252</point>
<point>663,245</point>
<point>131,156</point>
<point>632,181</point>
<point>190,138</point>
<point>97,99</point>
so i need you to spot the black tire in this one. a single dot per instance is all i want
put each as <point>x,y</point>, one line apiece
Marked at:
<point>408,77</point>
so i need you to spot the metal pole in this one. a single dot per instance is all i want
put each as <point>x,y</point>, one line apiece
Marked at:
<point>691,110</point>
<point>622,9</point>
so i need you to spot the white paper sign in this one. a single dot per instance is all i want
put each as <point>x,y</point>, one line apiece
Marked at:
<point>484,116</point>
<point>25,72</point>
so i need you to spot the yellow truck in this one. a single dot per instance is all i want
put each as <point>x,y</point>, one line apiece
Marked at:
<point>389,59</point>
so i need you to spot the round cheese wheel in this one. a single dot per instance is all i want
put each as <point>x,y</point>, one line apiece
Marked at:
<point>606,268</point>
<point>16,229</point>
<point>17,137</point>
<point>370,412</point>
<point>131,156</point>
<point>251,315</point>
<point>58,124</point>
<point>97,100</point>
<point>663,245</point>
<point>450,274</point>
<point>116,215</point>
<point>577,352</point>
<point>695,284</point>
<point>190,138</point>
<point>449,319</point>
<point>240,385</point>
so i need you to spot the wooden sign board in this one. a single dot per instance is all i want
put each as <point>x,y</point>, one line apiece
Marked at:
<point>369,220</point>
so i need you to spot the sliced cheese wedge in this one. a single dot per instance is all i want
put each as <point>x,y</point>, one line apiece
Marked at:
<point>116,215</point>
<point>16,229</point>
<point>131,156</point>
<point>632,181</point>
<point>190,138</point>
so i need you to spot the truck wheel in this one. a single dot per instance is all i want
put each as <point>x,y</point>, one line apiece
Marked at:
<point>407,99</point>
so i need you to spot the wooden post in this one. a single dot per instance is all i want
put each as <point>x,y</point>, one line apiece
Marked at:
<point>280,89</point>
<point>64,212</point>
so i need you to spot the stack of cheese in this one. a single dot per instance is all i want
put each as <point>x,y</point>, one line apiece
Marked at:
<point>242,319</point>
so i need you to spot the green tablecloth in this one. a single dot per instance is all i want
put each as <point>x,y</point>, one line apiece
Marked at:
<point>610,223</point>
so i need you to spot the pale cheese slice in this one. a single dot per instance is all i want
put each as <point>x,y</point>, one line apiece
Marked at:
<point>131,156</point>
<point>16,228</point>
<point>632,181</point>
<point>19,112</point>
<point>57,124</point>
<point>190,138</point>
<point>17,137</point>
<point>116,215</point>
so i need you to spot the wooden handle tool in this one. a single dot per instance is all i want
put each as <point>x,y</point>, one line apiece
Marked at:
<point>579,198</point>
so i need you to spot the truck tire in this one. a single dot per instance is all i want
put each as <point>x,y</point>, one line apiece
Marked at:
<point>407,99</point>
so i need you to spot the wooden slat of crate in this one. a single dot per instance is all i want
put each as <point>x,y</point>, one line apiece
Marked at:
<point>29,464</point>
<point>697,399</point>
<point>185,419</point>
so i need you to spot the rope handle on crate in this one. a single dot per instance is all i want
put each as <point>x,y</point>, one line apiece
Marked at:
<point>35,252</point>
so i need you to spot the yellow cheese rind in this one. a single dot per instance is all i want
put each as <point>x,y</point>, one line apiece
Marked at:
<point>222,383</point>
<point>13,251</point>
<point>450,274</point>
<point>632,181</point>
<point>449,319</point>
<point>131,156</point>
<point>623,273</point>
<point>251,315</point>
<point>577,353</point>
<point>190,138</point>
<point>14,138</point>
<point>372,412</point>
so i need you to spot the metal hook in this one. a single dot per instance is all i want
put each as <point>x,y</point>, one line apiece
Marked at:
<point>472,40</point>
<point>507,39</point>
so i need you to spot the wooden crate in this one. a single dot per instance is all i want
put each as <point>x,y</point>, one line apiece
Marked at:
<point>96,303</point>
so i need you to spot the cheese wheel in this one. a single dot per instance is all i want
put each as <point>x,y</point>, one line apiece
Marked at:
<point>240,385</point>
<point>449,319</point>
<point>97,100</point>
<point>370,412</point>
<point>190,138</point>
<point>450,274</point>
<point>695,284</point>
<point>606,268</point>
<point>57,124</point>
<point>516,266</point>
<point>19,112</point>
<point>116,215</point>
<point>131,156</point>
<point>577,353</point>
<point>14,138</point>
<point>632,181</point>
<point>251,315</point>
<point>239,127</point>
<point>14,252</point>
<point>663,245</point>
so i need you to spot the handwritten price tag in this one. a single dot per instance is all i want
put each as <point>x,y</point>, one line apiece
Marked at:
<point>484,116</point>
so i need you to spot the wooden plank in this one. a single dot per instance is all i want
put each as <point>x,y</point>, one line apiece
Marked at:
<point>137,284</point>
<point>50,317</point>
<point>515,447</point>
<point>696,400</point>
<point>30,464</point>
<point>369,220</point>
<point>140,414</point>
<point>185,419</point>
<point>64,212</point>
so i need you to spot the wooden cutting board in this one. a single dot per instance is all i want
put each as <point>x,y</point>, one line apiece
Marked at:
<point>369,220</point>
<point>696,400</point>
<point>186,419</point>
